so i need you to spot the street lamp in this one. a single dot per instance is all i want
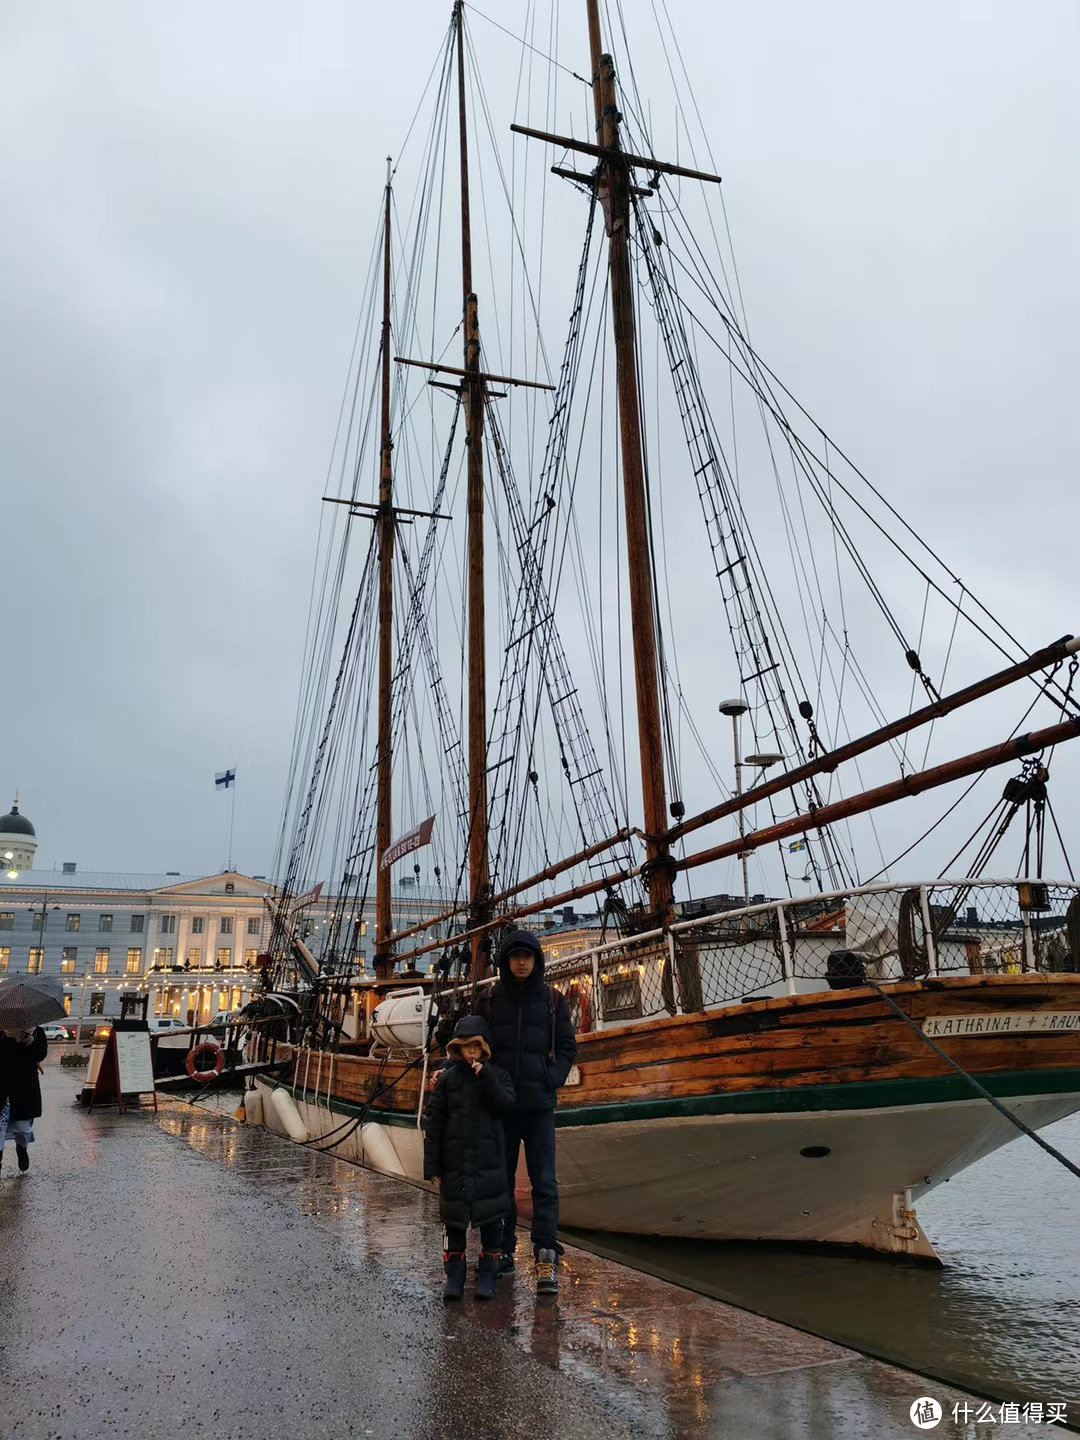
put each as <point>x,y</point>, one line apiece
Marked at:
<point>44,923</point>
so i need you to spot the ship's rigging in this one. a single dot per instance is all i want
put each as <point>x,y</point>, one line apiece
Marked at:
<point>540,783</point>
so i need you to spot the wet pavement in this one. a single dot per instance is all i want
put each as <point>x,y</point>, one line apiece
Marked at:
<point>184,1272</point>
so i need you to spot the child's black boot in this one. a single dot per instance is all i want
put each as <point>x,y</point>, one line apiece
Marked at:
<point>487,1275</point>
<point>454,1265</point>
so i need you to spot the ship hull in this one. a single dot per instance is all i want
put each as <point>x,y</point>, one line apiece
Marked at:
<point>815,1118</point>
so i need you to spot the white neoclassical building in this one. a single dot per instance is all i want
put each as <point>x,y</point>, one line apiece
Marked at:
<point>189,942</point>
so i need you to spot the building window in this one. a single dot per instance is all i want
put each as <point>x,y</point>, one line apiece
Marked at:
<point>194,959</point>
<point>249,958</point>
<point>5,958</point>
<point>101,961</point>
<point>38,920</point>
<point>162,956</point>
<point>167,925</point>
<point>72,922</point>
<point>33,963</point>
<point>226,924</point>
<point>254,925</point>
<point>67,960</point>
<point>363,927</point>
<point>104,922</point>
<point>97,1003</point>
<point>134,962</point>
<point>224,959</point>
<point>7,919</point>
<point>67,1003</point>
<point>197,925</point>
<point>137,922</point>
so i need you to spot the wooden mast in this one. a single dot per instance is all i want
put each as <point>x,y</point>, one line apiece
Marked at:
<point>613,181</point>
<point>384,955</point>
<point>473,394</point>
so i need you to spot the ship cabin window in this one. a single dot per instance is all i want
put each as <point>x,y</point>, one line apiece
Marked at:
<point>621,994</point>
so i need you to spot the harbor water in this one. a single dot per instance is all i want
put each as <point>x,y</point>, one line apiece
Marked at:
<point>1003,1316</point>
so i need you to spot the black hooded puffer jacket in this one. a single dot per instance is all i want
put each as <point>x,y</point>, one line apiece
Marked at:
<point>532,1035</point>
<point>464,1141</point>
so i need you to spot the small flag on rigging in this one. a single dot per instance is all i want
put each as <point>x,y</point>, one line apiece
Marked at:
<point>225,779</point>
<point>796,845</point>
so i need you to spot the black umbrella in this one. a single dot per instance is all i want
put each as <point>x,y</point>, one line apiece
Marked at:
<point>23,1006</point>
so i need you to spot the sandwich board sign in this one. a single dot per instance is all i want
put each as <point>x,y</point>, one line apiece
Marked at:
<point>125,1070</point>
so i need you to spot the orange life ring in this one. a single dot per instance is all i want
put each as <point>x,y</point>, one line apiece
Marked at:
<point>204,1075</point>
<point>581,995</point>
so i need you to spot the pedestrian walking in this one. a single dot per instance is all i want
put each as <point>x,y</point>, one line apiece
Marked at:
<point>532,1038</point>
<point>465,1151</point>
<point>20,1089</point>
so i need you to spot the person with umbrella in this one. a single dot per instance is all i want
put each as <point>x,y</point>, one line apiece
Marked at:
<point>23,1046</point>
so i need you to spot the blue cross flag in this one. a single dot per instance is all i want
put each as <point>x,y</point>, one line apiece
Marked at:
<point>225,779</point>
<point>792,848</point>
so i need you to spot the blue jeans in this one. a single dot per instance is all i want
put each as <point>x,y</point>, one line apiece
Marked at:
<point>536,1129</point>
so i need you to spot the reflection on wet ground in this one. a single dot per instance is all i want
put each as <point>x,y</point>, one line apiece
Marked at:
<point>185,1272</point>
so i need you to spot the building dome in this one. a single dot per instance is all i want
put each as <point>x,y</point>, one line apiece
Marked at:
<point>17,843</point>
<point>15,824</point>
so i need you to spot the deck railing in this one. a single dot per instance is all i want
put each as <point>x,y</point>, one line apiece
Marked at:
<point>886,932</point>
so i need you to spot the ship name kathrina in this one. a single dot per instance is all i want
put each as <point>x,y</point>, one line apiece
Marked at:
<point>996,1024</point>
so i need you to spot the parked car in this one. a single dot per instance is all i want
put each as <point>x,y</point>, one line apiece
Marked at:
<point>161,1023</point>
<point>56,1030</point>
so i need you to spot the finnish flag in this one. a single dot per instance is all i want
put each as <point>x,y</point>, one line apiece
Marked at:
<point>225,779</point>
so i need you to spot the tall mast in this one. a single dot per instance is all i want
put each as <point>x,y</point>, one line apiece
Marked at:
<point>384,957</point>
<point>473,389</point>
<point>613,181</point>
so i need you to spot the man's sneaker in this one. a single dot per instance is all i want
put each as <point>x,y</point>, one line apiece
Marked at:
<point>546,1281</point>
<point>506,1263</point>
<point>23,1155</point>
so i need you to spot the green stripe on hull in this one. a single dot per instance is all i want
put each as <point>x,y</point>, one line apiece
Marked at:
<point>347,1107</point>
<point>856,1095</point>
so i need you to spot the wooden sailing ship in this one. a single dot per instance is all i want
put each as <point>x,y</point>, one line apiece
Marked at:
<point>794,1069</point>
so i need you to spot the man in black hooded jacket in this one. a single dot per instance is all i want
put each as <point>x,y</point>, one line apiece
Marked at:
<point>532,1038</point>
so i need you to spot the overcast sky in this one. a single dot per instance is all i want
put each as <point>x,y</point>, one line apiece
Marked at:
<point>188,200</point>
